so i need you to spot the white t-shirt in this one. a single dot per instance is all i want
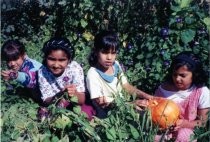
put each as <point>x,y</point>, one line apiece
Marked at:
<point>99,87</point>
<point>204,100</point>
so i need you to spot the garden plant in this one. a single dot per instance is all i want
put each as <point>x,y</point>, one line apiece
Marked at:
<point>151,32</point>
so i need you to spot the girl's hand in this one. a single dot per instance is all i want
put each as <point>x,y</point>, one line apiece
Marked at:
<point>9,75</point>
<point>71,89</point>
<point>180,123</point>
<point>102,101</point>
<point>141,104</point>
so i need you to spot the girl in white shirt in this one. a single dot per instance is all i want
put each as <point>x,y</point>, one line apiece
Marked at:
<point>105,78</point>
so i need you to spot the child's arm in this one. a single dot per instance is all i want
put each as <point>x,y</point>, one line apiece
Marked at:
<point>72,91</point>
<point>133,90</point>
<point>200,121</point>
<point>27,79</point>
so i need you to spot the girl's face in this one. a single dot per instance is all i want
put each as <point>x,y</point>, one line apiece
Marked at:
<point>106,58</point>
<point>57,61</point>
<point>182,78</point>
<point>15,65</point>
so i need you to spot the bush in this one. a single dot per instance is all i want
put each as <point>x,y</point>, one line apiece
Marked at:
<point>151,32</point>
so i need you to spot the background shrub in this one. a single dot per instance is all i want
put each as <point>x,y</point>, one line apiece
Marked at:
<point>151,32</point>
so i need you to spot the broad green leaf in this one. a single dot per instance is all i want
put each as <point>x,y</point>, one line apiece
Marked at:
<point>77,109</point>
<point>207,22</point>
<point>187,35</point>
<point>62,121</point>
<point>134,132</point>
<point>83,23</point>
<point>74,99</point>
<point>111,133</point>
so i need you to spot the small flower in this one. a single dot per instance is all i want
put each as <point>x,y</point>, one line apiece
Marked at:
<point>66,79</point>
<point>179,20</point>
<point>43,113</point>
<point>166,63</point>
<point>129,46</point>
<point>13,75</point>
<point>202,31</point>
<point>164,32</point>
<point>63,103</point>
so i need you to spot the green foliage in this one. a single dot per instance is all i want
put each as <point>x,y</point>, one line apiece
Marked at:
<point>151,32</point>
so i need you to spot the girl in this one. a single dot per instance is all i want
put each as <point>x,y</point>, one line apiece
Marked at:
<point>105,77</point>
<point>61,74</point>
<point>21,68</point>
<point>185,85</point>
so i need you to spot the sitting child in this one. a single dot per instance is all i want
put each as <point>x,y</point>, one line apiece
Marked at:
<point>60,74</point>
<point>21,68</point>
<point>185,86</point>
<point>105,78</point>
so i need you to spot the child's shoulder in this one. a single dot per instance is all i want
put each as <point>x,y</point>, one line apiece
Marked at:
<point>92,72</point>
<point>168,86</point>
<point>33,61</point>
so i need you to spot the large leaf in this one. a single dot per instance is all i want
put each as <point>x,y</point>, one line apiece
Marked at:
<point>187,35</point>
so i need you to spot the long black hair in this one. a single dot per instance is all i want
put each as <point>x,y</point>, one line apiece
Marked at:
<point>105,40</point>
<point>193,64</point>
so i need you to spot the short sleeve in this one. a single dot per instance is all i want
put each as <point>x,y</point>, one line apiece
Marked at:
<point>204,101</point>
<point>93,84</point>
<point>78,77</point>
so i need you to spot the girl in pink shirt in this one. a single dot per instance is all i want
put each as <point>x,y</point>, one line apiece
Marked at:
<point>185,86</point>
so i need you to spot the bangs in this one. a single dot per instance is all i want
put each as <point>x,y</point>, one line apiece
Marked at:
<point>110,45</point>
<point>11,55</point>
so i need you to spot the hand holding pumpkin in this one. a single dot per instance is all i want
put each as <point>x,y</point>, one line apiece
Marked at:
<point>141,104</point>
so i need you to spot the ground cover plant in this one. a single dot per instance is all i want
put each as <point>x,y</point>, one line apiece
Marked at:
<point>150,32</point>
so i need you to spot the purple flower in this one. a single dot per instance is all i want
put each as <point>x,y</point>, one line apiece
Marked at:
<point>166,63</point>
<point>179,20</point>
<point>164,32</point>
<point>202,31</point>
<point>129,46</point>
<point>63,103</point>
<point>66,79</point>
<point>13,75</point>
<point>43,113</point>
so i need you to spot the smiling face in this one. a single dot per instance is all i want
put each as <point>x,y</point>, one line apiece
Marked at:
<point>106,59</point>
<point>15,65</point>
<point>182,78</point>
<point>57,61</point>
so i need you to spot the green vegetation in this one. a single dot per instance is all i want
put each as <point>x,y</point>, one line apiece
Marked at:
<point>150,32</point>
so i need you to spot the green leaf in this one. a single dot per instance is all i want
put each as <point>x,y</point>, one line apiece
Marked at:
<point>187,35</point>
<point>62,121</point>
<point>77,109</point>
<point>111,133</point>
<point>134,132</point>
<point>83,23</point>
<point>207,22</point>
<point>74,99</point>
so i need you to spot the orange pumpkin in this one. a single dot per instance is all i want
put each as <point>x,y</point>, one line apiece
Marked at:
<point>164,112</point>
